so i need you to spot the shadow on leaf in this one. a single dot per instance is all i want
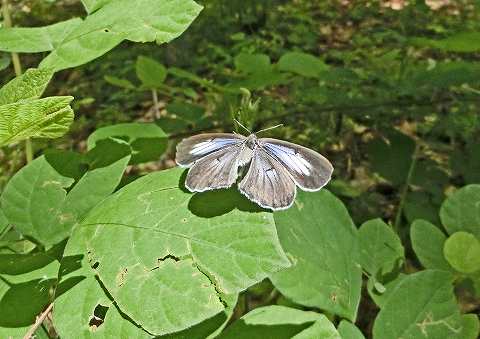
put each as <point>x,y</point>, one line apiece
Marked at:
<point>218,202</point>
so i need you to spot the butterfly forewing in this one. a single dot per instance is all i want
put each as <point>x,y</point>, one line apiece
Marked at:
<point>198,146</point>
<point>309,169</point>
<point>268,183</point>
<point>215,170</point>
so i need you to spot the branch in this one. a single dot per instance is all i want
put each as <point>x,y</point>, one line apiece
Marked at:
<point>39,321</point>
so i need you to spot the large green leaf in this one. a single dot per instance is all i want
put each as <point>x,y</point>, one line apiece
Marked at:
<point>461,211</point>
<point>148,141</point>
<point>380,248</point>
<point>281,322</point>
<point>30,85</point>
<point>422,305</point>
<point>165,255</point>
<point>36,39</point>
<point>80,299</point>
<point>36,202</point>
<point>139,21</point>
<point>427,242</point>
<point>41,118</point>
<point>321,240</point>
<point>462,251</point>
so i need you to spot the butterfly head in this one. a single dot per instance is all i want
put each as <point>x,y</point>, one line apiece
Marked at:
<point>251,141</point>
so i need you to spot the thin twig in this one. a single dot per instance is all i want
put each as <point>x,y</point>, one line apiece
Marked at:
<point>155,104</point>
<point>403,195</point>
<point>39,322</point>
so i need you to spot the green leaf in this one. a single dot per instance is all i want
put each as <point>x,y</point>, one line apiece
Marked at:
<point>41,118</point>
<point>26,288</point>
<point>182,116</point>
<point>281,322</point>
<point>391,157</point>
<point>151,73</point>
<point>380,248</point>
<point>252,63</point>
<point>93,5</point>
<point>461,211</point>
<point>421,205</point>
<point>422,305</point>
<point>470,326</point>
<point>321,241</point>
<point>464,42</point>
<point>209,328</point>
<point>467,163</point>
<point>347,330</point>
<point>148,141</point>
<point>303,64</point>
<point>119,82</point>
<point>139,21</point>
<point>30,85</point>
<point>462,251</point>
<point>36,202</point>
<point>37,39</point>
<point>165,254</point>
<point>388,287</point>
<point>80,296</point>
<point>427,242</point>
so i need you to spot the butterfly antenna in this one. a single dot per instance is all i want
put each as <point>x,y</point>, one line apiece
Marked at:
<point>269,128</point>
<point>238,122</point>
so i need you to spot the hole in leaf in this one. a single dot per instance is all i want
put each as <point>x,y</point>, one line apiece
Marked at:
<point>169,256</point>
<point>98,317</point>
<point>95,265</point>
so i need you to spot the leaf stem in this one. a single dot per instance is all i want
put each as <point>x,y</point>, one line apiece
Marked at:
<point>403,195</point>
<point>155,103</point>
<point>17,66</point>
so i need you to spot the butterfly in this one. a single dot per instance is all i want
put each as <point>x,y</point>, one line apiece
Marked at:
<point>275,167</point>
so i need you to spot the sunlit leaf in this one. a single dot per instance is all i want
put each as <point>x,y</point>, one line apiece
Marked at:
<point>427,242</point>
<point>119,82</point>
<point>30,85</point>
<point>321,240</point>
<point>148,141</point>
<point>281,323</point>
<point>380,248</point>
<point>165,255</point>
<point>466,42</point>
<point>422,305</point>
<point>347,330</point>
<point>93,5</point>
<point>40,118</point>
<point>36,39</point>
<point>461,211</point>
<point>36,200</point>
<point>462,251</point>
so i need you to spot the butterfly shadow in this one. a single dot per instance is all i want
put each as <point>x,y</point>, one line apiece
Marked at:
<point>218,202</point>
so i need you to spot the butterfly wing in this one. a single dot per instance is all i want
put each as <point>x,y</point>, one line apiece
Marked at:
<point>268,183</point>
<point>218,169</point>
<point>309,169</point>
<point>198,146</point>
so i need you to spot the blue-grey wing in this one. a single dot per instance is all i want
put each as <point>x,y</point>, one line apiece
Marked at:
<point>309,169</point>
<point>192,149</point>
<point>268,183</point>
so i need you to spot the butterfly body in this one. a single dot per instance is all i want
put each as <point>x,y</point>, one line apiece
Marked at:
<point>275,167</point>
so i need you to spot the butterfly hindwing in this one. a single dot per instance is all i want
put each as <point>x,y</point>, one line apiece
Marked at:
<point>309,169</point>
<point>268,183</point>
<point>199,146</point>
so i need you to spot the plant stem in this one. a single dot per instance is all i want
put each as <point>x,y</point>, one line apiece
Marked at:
<point>17,66</point>
<point>403,195</point>
<point>39,322</point>
<point>155,103</point>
